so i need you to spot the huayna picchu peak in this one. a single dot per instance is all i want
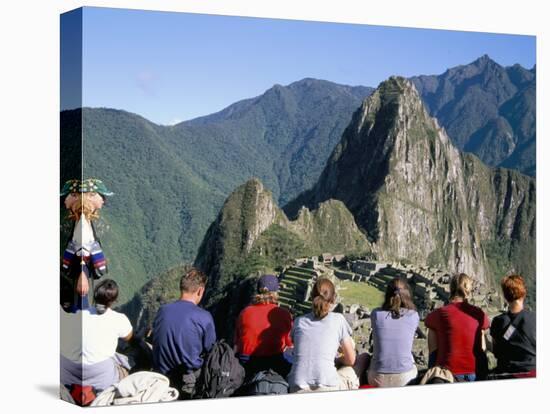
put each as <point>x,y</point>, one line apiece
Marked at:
<point>416,196</point>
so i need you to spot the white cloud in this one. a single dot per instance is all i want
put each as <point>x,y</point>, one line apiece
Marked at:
<point>145,81</point>
<point>174,121</point>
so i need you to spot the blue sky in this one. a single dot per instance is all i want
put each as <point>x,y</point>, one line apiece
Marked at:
<point>170,67</point>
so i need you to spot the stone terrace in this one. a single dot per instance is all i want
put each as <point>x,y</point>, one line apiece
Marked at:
<point>295,288</point>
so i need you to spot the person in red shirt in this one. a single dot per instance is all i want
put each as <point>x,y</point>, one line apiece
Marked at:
<point>263,331</point>
<point>456,331</point>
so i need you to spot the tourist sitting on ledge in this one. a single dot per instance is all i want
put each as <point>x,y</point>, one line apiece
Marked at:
<point>393,327</point>
<point>262,333</point>
<point>182,334</point>
<point>514,333</point>
<point>317,337</point>
<point>455,331</point>
<point>89,341</point>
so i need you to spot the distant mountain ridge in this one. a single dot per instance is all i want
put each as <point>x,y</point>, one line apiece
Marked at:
<point>487,109</point>
<point>299,124</point>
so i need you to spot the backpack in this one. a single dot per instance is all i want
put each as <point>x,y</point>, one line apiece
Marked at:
<point>221,372</point>
<point>266,383</point>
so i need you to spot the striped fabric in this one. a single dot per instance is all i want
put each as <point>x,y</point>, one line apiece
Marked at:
<point>93,255</point>
<point>97,258</point>
<point>68,257</point>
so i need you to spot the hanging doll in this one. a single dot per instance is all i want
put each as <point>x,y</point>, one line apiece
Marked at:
<point>83,258</point>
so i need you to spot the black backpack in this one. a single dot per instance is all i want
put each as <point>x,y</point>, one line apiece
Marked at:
<point>221,372</point>
<point>266,383</point>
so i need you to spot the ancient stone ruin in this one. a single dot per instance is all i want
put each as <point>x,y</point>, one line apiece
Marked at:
<point>430,288</point>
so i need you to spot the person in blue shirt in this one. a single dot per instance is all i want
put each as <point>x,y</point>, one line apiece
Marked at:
<point>393,329</point>
<point>183,333</point>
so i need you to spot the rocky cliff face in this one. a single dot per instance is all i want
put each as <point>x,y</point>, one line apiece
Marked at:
<point>414,194</point>
<point>503,203</point>
<point>329,228</point>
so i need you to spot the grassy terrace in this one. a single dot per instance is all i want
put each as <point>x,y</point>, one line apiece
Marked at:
<point>361,293</point>
<point>293,286</point>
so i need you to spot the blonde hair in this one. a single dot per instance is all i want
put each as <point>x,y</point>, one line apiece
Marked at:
<point>265,298</point>
<point>461,286</point>
<point>84,206</point>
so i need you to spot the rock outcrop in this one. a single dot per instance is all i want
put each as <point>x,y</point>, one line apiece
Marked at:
<point>250,224</point>
<point>330,227</point>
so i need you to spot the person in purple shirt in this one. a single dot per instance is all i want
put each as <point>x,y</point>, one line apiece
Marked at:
<point>183,333</point>
<point>393,327</point>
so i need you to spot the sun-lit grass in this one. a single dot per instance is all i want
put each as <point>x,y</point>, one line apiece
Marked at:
<point>361,293</point>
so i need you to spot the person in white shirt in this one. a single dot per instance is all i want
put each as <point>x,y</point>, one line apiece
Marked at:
<point>318,338</point>
<point>89,340</point>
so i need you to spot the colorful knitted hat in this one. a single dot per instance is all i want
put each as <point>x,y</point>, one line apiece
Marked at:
<point>70,186</point>
<point>93,185</point>
<point>90,185</point>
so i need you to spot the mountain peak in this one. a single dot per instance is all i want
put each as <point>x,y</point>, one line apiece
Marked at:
<point>398,81</point>
<point>483,61</point>
<point>309,81</point>
<point>398,86</point>
<point>254,184</point>
<point>389,170</point>
<point>247,212</point>
<point>389,134</point>
<point>395,98</point>
<point>276,90</point>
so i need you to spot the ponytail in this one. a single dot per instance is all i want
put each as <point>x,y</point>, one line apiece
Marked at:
<point>321,307</point>
<point>398,296</point>
<point>395,303</point>
<point>461,286</point>
<point>324,295</point>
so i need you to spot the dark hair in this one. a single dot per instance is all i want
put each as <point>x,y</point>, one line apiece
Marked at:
<point>513,287</point>
<point>192,280</point>
<point>324,295</point>
<point>106,293</point>
<point>461,286</point>
<point>398,296</point>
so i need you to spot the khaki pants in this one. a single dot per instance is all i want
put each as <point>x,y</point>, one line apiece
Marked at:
<point>379,379</point>
<point>122,372</point>
<point>348,381</point>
